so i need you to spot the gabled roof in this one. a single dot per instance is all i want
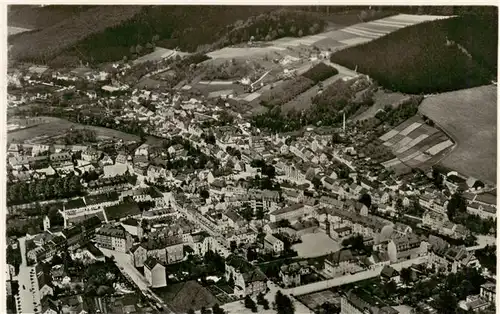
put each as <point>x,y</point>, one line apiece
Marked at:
<point>389,272</point>
<point>151,263</point>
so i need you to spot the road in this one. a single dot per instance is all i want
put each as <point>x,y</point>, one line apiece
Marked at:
<point>197,219</point>
<point>27,301</point>
<point>482,241</point>
<point>124,262</point>
<point>339,281</point>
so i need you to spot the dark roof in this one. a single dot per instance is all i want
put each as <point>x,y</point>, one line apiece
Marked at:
<point>101,198</point>
<point>73,204</point>
<point>113,231</point>
<point>389,272</point>
<point>130,221</point>
<point>486,198</point>
<point>91,223</point>
<point>340,256</point>
<point>151,262</point>
<point>72,231</point>
<point>122,210</point>
<point>43,278</point>
<point>94,250</point>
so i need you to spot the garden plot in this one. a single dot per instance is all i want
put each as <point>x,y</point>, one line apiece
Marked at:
<point>415,144</point>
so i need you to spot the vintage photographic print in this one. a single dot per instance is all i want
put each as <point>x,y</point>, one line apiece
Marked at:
<point>251,159</point>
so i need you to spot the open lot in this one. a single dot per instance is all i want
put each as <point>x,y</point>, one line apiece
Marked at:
<point>470,117</point>
<point>54,126</point>
<point>315,299</point>
<point>316,244</point>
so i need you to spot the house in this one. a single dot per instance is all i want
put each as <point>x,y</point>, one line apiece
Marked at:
<point>91,155</point>
<point>474,303</point>
<point>341,233</point>
<point>451,259</point>
<point>49,306</point>
<point>405,248</point>
<point>291,274</point>
<point>292,195</point>
<point>121,159</point>
<point>234,220</point>
<point>44,281</point>
<point>291,213</point>
<point>363,303</point>
<point>273,244</point>
<point>341,263</point>
<point>488,292</point>
<point>155,273</point>
<point>390,274</point>
<point>114,238</point>
<point>248,279</point>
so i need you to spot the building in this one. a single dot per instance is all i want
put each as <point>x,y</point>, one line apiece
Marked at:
<point>390,274</point>
<point>248,279</point>
<point>114,238</point>
<point>291,213</point>
<point>488,292</point>
<point>291,274</point>
<point>155,273</point>
<point>44,281</point>
<point>362,303</point>
<point>451,259</point>
<point>273,244</point>
<point>341,263</point>
<point>405,248</point>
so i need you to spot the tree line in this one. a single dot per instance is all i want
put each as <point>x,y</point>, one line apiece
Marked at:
<point>42,190</point>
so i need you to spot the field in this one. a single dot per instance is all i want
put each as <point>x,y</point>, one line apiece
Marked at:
<point>55,126</point>
<point>315,244</point>
<point>459,52</point>
<point>469,117</point>
<point>381,99</point>
<point>416,145</point>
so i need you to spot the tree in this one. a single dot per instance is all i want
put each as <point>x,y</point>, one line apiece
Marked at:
<point>247,213</point>
<point>250,304</point>
<point>301,33</point>
<point>316,182</point>
<point>259,214</point>
<point>283,304</point>
<point>406,275</point>
<point>191,311</point>
<point>216,309</point>
<point>204,194</point>
<point>204,310</point>
<point>366,199</point>
<point>233,246</point>
<point>456,205</point>
<point>261,300</point>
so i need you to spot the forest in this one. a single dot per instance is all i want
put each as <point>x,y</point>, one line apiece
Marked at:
<point>455,53</point>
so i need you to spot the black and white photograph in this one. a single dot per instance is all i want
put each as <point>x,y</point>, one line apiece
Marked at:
<point>239,159</point>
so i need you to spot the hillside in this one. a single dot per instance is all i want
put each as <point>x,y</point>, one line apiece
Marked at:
<point>42,45</point>
<point>437,56</point>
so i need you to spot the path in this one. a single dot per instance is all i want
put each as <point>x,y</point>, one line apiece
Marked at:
<point>339,281</point>
<point>25,301</point>
<point>125,265</point>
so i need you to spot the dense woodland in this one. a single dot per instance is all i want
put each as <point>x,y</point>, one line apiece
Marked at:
<point>42,190</point>
<point>456,53</point>
<point>320,72</point>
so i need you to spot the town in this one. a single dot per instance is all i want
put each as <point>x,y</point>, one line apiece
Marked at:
<point>159,185</point>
